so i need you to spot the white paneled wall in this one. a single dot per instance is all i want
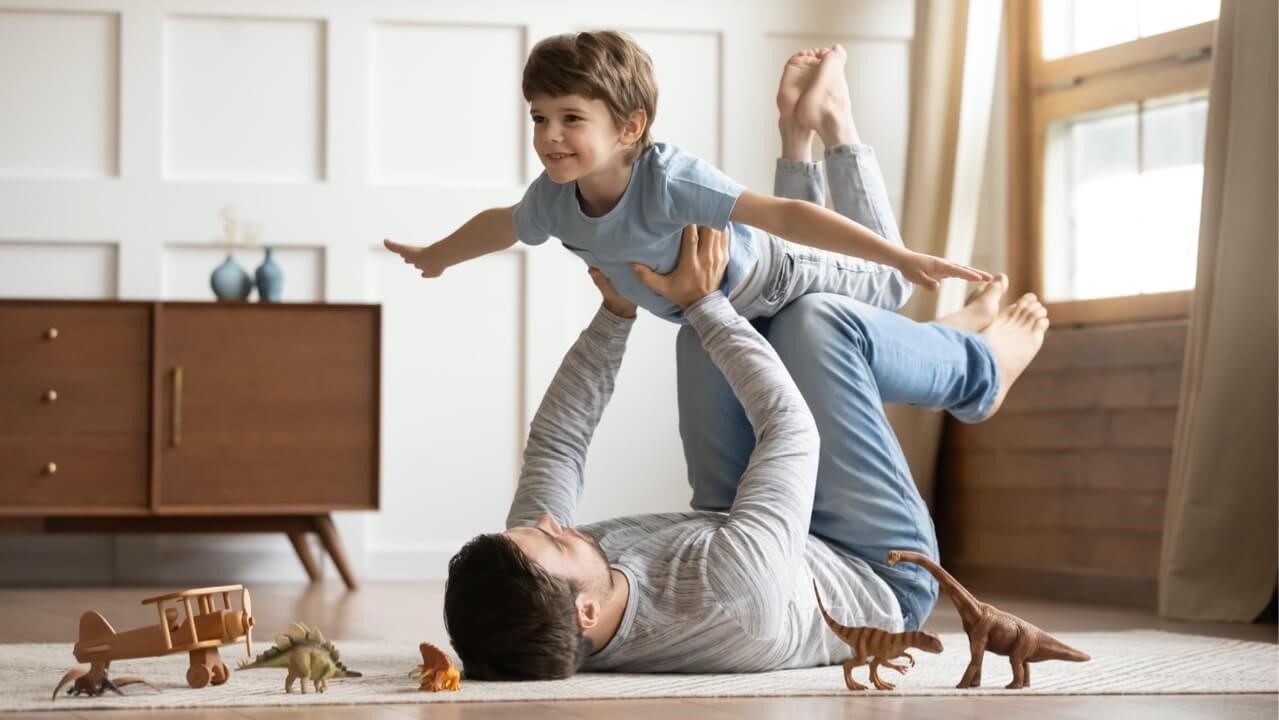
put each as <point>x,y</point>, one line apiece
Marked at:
<point>60,94</point>
<point>240,99</point>
<point>126,125</point>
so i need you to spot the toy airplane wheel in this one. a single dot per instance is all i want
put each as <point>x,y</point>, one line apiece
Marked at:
<point>198,676</point>
<point>220,674</point>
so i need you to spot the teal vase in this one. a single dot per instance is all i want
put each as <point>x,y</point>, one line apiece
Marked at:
<point>230,282</point>
<point>270,279</point>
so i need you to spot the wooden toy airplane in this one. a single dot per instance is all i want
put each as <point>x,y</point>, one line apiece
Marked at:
<point>199,631</point>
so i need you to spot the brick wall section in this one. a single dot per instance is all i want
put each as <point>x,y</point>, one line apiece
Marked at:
<point>1062,493</point>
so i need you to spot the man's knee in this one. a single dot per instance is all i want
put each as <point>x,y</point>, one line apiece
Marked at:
<point>819,322</point>
<point>692,364</point>
<point>687,345</point>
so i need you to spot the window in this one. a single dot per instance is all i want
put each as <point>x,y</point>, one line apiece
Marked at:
<point>1109,108</point>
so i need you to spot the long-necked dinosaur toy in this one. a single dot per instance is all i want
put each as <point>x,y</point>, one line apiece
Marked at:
<point>989,628</point>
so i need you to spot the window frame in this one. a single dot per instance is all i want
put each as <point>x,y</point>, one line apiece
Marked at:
<point>1040,91</point>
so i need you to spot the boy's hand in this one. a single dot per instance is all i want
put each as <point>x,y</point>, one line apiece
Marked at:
<point>419,257</point>
<point>928,271</point>
<point>703,255</point>
<point>613,301</point>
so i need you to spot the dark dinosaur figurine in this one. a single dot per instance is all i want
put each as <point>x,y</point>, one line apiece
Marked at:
<point>875,647</point>
<point>989,628</point>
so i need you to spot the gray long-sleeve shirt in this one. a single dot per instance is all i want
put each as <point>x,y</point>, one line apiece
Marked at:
<point>710,592</point>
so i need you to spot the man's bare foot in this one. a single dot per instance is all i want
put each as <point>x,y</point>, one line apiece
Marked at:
<point>1015,337</point>
<point>797,76</point>
<point>981,308</point>
<point>825,106</point>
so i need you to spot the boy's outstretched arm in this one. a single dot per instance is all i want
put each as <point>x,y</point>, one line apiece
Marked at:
<point>488,232</point>
<point>814,226</point>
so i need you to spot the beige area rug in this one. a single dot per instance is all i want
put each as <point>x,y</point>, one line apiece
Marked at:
<point>1137,662</point>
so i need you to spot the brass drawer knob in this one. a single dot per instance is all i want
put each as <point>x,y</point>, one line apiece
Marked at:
<point>51,334</point>
<point>51,396</point>
<point>50,469</point>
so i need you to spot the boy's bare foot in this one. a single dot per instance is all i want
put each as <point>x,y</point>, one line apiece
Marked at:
<point>797,76</point>
<point>825,106</point>
<point>418,257</point>
<point>1015,337</point>
<point>981,308</point>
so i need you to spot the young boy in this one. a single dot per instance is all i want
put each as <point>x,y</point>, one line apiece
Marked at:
<point>620,201</point>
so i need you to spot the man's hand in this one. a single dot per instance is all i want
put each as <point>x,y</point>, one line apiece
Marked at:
<point>703,255</point>
<point>419,257</point>
<point>613,301</point>
<point>927,271</point>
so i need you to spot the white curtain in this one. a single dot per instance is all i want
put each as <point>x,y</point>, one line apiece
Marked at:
<point>953,70</point>
<point>1219,546</point>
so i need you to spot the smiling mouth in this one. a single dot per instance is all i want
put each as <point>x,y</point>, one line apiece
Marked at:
<point>558,156</point>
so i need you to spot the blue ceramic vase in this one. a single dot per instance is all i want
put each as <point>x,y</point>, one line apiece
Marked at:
<point>230,282</point>
<point>270,279</point>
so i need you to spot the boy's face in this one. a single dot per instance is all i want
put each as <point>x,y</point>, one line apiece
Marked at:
<point>574,137</point>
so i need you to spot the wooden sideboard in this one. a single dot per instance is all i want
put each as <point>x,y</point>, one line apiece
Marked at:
<point>189,417</point>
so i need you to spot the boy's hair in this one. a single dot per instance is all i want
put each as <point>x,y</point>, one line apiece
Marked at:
<point>601,65</point>
<point>507,618</point>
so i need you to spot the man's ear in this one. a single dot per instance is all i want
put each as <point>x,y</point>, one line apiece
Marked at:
<point>633,128</point>
<point>588,612</point>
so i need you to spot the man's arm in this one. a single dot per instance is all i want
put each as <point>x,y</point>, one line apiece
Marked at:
<point>808,224</point>
<point>488,232</point>
<point>767,525</point>
<point>551,479</point>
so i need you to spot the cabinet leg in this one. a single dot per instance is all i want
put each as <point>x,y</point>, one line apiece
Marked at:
<point>333,545</point>
<point>305,555</point>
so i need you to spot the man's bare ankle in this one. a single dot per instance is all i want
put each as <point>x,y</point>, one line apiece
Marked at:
<point>837,133</point>
<point>797,143</point>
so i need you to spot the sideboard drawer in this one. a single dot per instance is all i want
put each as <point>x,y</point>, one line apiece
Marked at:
<point>38,400</point>
<point>72,334</point>
<point>93,472</point>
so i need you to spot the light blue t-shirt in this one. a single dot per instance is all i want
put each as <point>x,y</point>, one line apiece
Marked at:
<point>669,189</point>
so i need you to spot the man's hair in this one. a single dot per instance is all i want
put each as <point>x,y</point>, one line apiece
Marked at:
<point>601,65</point>
<point>507,618</point>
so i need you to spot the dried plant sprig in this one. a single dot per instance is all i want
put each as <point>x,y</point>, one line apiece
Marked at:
<point>230,227</point>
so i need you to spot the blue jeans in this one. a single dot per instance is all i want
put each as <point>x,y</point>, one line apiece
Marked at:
<point>848,358</point>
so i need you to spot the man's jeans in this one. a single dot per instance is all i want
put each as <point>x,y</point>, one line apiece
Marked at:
<point>848,358</point>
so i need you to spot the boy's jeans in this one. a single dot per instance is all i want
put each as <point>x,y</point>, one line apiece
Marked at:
<point>847,358</point>
<point>786,271</point>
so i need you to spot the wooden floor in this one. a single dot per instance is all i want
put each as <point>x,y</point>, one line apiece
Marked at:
<point>412,612</point>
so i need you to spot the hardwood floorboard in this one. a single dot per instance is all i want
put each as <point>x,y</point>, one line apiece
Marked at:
<point>412,612</point>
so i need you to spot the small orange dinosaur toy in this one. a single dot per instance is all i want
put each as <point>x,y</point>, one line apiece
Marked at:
<point>436,672</point>
<point>989,628</point>
<point>876,647</point>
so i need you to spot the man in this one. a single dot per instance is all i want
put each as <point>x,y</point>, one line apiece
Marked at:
<point>728,587</point>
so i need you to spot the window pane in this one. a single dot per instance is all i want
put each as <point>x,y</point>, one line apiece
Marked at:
<point>1160,16</point>
<point>1121,199</point>
<point>1076,26</point>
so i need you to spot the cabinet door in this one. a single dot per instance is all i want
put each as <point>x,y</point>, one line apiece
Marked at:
<point>267,408</point>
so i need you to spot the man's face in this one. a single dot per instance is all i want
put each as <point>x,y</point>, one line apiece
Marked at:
<point>565,553</point>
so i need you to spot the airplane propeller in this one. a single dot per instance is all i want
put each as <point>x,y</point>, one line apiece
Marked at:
<point>247,605</point>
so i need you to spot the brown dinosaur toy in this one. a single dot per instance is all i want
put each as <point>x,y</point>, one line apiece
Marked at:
<point>876,647</point>
<point>989,628</point>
